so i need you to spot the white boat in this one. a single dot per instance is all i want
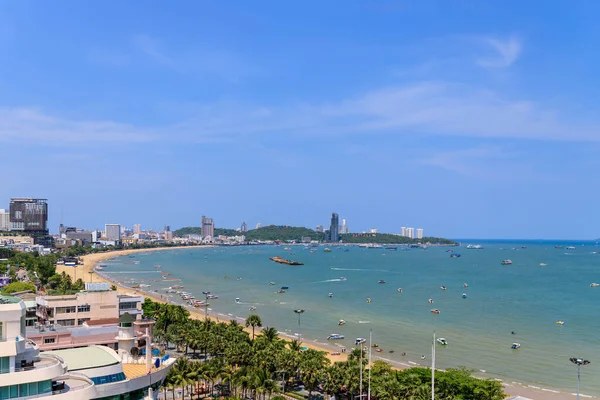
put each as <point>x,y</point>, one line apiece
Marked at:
<point>335,336</point>
<point>543,264</point>
<point>595,284</point>
<point>570,247</point>
<point>474,246</point>
<point>251,308</point>
<point>359,340</point>
<point>237,300</point>
<point>442,341</point>
<point>515,346</point>
<point>330,294</point>
<point>212,296</point>
<point>341,322</point>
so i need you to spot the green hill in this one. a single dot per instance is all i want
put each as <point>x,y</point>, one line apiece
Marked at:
<point>280,232</point>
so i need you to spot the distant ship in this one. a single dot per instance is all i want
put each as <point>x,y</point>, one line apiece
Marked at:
<point>506,262</point>
<point>280,260</point>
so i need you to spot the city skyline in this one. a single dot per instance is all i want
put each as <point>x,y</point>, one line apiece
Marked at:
<point>474,105</point>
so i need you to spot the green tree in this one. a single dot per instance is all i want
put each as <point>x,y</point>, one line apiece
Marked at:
<point>253,320</point>
<point>18,287</point>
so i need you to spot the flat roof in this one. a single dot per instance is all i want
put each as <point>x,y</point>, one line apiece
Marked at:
<point>9,300</point>
<point>87,357</point>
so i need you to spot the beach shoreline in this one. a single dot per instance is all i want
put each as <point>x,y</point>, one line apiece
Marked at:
<point>90,262</point>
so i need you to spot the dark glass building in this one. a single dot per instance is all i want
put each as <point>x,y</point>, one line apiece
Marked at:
<point>334,228</point>
<point>29,215</point>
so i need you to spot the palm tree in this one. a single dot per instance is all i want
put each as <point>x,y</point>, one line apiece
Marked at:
<point>270,334</point>
<point>295,345</point>
<point>253,320</point>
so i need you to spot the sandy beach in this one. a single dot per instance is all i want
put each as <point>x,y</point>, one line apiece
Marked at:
<point>92,260</point>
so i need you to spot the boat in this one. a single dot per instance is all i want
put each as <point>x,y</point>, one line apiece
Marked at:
<point>465,285</point>
<point>474,247</point>
<point>464,295</point>
<point>176,287</point>
<point>285,287</point>
<point>342,278</point>
<point>399,290</point>
<point>157,266</point>
<point>595,284</point>
<point>379,350</point>
<point>442,341</point>
<point>391,248</point>
<point>570,247</point>
<point>449,251</point>
<point>287,248</point>
<point>359,341</point>
<point>515,346</point>
<point>543,264</point>
<point>430,301</point>
<point>271,283</point>
<point>280,260</point>
<point>237,300</point>
<point>341,322</point>
<point>560,322</point>
<point>454,255</point>
<point>375,345</point>
<point>251,308</point>
<point>281,291</point>
<point>443,287</point>
<point>330,294</point>
<point>335,336</point>
<point>212,296</point>
<point>381,281</point>
<point>327,250</point>
<point>435,311</point>
<point>506,262</point>
<point>99,268</point>
<point>558,247</point>
<point>368,299</point>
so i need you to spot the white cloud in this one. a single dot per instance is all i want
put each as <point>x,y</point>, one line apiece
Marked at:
<point>504,52</point>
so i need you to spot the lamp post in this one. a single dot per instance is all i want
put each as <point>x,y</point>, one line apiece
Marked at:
<point>579,362</point>
<point>91,276</point>
<point>206,307</point>
<point>299,311</point>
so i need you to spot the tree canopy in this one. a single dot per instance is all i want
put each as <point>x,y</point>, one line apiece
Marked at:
<point>18,287</point>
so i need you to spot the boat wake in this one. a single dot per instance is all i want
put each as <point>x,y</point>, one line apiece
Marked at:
<point>358,269</point>
<point>364,322</point>
<point>130,272</point>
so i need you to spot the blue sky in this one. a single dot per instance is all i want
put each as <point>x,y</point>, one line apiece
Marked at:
<point>465,118</point>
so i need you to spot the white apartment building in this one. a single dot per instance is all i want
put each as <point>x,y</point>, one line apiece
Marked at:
<point>410,233</point>
<point>112,232</point>
<point>419,233</point>
<point>4,220</point>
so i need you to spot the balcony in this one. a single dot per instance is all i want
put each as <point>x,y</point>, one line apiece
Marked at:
<point>73,386</point>
<point>48,367</point>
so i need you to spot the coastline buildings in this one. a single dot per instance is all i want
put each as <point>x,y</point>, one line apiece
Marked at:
<point>344,229</point>
<point>258,226</point>
<point>4,220</point>
<point>419,233</point>
<point>333,234</point>
<point>410,233</point>
<point>137,229</point>
<point>112,232</point>
<point>208,227</point>
<point>319,228</point>
<point>29,215</point>
<point>244,227</point>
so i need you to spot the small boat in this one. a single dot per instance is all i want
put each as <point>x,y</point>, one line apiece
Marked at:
<point>381,281</point>
<point>212,296</point>
<point>430,301</point>
<point>560,322</point>
<point>251,308</point>
<point>454,255</point>
<point>238,278</point>
<point>442,341</point>
<point>474,246</point>
<point>391,351</point>
<point>281,291</point>
<point>465,285</point>
<point>379,350</point>
<point>570,247</point>
<point>359,341</point>
<point>341,322</point>
<point>443,287</point>
<point>399,290</point>
<point>346,250</point>
<point>327,250</point>
<point>335,336</point>
<point>375,345</point>
<point>330,295</point>
<point>99,268</point>
<point>342,278</point>
<point>237,300</point>
<point>368,299</point>
<point>515,346</point>
<point>558,247</point>
<point>285,287</point>
<point>595,284</point>
<point>287,248</point>
<point>271,283</point>
<point>435,311</point>
<point>157,266</point>
<point>506,262</point>
<point>464,295</point>
<point>226,276</point>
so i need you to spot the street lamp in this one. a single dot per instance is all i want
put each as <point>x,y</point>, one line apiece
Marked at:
<point>91,276</point>
<point>299,312</point>
<point>206,307</point>
<point>579,362</point>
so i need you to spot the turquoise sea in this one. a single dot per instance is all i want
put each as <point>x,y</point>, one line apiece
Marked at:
<point>524,297</point>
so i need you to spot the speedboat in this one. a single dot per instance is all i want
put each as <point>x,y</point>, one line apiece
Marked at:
<point>506,262</point>
<point>285,287</point>
<point>570,247</point>
<point>341,322</point>
<point>464,296</point>
<point>443,287</point>
<point>560,322</point>
<point>212,296</point>
<point>237,300</point>
<point>543,264</point>
<point>342,278</point>
<point>271,283</point>
<point>330,294</point>
<point>359,341</point>
<point>251,308</point>
<point>435,311</point>
<point>399,290</point>
<point>381,281</point>
<point>335,336</point>
<point>595,284</point>
<point>442,341</point>
<point>515,346</point>
<point>368,299</point>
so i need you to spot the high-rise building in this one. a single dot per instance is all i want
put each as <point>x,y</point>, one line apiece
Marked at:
<point>29,215</point>
<point>112,232</point>
<point>334,228</point>
<point>167,228</point>
<point>419,233</point>
<point>4,220</point>
<point>319,228</point>
<point>208,227</point>
<point>403,231</point>
<point>410,233</point>
<point>137,229</point>
<point>244,227</point>
<point>373,230</point>
<point>344,229</point>
<point>168,235</point>
<point>258,226</point>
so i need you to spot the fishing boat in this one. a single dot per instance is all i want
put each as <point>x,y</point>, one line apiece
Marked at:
<point>442,341</point>
<point>368,299</point>
<point>212,296</point>
<point>176,287</point>
<point>558,247</point>
<point>381,281</point>
<point>251,308</point>
<point>506,262</point>
<point>157,266</point>
<point>335,336</point>
<point>341,322</point>
<point>285,287</point>
<point>435,311</point>
<point>570,247</point>
<point>515,346</point>
<point>399,290</point>
<point>280,260</point>
<point>443,287</point>
<point>170,279</point>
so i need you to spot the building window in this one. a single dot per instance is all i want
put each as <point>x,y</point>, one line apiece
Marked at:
<point>65,310</point>
<point>49,340</point>
<point>1,337</point>
<point>66,322</point>
<point>82,321</point>
<point>128,305</point>
<point>85,308</point>
<point>4,365</point>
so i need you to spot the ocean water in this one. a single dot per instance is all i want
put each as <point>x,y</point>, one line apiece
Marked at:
<point>524,297</point>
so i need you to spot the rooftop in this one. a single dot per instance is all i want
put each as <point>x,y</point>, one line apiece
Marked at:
<point>87,357</point>
<point>9,300</point>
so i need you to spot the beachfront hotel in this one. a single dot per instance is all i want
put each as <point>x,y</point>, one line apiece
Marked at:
<point>131,372</point>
